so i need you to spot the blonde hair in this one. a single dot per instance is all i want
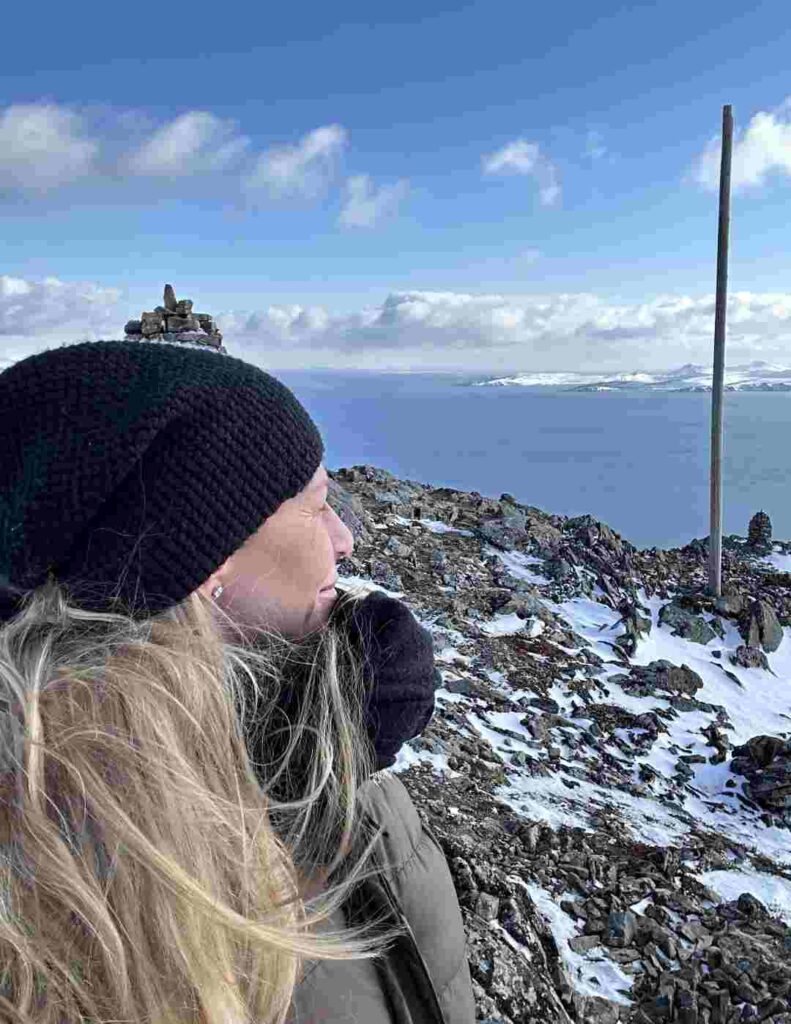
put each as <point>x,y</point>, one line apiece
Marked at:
<point>150,863</point>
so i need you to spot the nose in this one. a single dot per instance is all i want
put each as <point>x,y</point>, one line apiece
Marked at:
<point>344,544</point>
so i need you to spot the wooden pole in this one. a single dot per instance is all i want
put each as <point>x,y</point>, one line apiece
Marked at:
<point>715,532</point>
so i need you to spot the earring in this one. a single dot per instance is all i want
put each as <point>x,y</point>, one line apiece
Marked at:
<point>216,592</point>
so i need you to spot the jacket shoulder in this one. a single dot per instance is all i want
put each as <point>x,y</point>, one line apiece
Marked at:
<point>386,800</point>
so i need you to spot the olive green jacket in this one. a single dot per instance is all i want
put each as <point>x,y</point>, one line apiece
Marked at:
<point>425,977</point>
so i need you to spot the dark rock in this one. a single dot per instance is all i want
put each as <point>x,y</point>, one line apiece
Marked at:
<point>620,928</point>
<point>759,627</point>
<point>765,762</point>
<point>660,675</point>
<point>687,625</point>
<point>762,750</point>
<point>730,604</point>
<point>749,657</point>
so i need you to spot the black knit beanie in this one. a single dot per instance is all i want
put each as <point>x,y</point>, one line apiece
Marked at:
<point>130,471</point>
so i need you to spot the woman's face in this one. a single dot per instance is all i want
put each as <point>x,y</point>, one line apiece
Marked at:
<point>275,579</point>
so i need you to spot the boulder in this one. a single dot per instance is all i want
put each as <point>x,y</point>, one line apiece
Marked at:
<point>765,763</point>
<point>546,537</point>
<point>760,628</point>
<point>687,625</point>
<point>504,533</point>
<point>749,657</point>
<point>730,605</point>
<point>662,675</point>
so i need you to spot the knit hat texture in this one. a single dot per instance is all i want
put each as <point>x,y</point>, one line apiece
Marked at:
<point>130,471</point>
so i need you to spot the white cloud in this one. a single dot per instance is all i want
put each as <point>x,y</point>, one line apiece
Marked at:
<point>38,314</point>
<point>193,142</point>
<point>422,329</point>
<point>762,149</point>
<point>303,169</point>
<point>45,146</point>
<point>523,157</point>
<point>364,207</point>
<point>42,147</point>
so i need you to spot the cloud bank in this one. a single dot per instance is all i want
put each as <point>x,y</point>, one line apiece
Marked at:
<point>46,148</point>
<point>429,330</point>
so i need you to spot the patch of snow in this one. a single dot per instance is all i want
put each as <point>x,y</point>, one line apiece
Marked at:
<point>517,562</point>
<point>778,561</point>
<point>546,798</point>
<point>406,757</point>
<point>593,622</point>
<point>592,973</point>
<point>760,705</point>
<point>432,525</point>
<point>773,891</point>
<point>510,624</point>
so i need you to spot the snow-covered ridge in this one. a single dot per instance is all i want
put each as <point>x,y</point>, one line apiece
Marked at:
<point>754,376</point>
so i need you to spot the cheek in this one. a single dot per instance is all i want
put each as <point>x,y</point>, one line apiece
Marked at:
<point>320,544</point>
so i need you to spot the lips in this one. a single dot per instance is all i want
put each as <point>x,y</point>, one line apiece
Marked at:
<point>330,587</point>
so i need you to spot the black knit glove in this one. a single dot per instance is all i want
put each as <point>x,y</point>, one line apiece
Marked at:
<point>398,666</point>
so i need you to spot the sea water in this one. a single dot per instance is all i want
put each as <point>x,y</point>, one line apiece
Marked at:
<point>637,461</point>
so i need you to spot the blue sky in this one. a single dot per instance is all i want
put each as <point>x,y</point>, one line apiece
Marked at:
<point>471,186</point>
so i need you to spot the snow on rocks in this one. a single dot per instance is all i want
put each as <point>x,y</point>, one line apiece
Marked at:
<point>607,766</point>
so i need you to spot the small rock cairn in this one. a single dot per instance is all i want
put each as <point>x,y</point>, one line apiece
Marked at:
<point>759,533</point>
<point>175,321</point>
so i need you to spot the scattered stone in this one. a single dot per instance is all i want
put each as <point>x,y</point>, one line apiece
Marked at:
<point>690,957</point>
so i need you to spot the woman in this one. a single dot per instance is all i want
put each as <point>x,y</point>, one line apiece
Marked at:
<point>191,722</point>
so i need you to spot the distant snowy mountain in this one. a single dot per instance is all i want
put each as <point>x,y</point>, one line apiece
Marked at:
<point>754,376</point>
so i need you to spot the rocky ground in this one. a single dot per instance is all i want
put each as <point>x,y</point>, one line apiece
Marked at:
<point>608,768</point>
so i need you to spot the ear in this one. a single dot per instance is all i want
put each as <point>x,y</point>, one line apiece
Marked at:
<point>220,574</point>
<point>208,586</point>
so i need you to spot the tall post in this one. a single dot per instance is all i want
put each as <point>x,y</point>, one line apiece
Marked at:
<point>715,531</point>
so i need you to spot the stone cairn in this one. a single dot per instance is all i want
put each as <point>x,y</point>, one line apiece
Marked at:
<point>175,321</point>
<point>759,533</point>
